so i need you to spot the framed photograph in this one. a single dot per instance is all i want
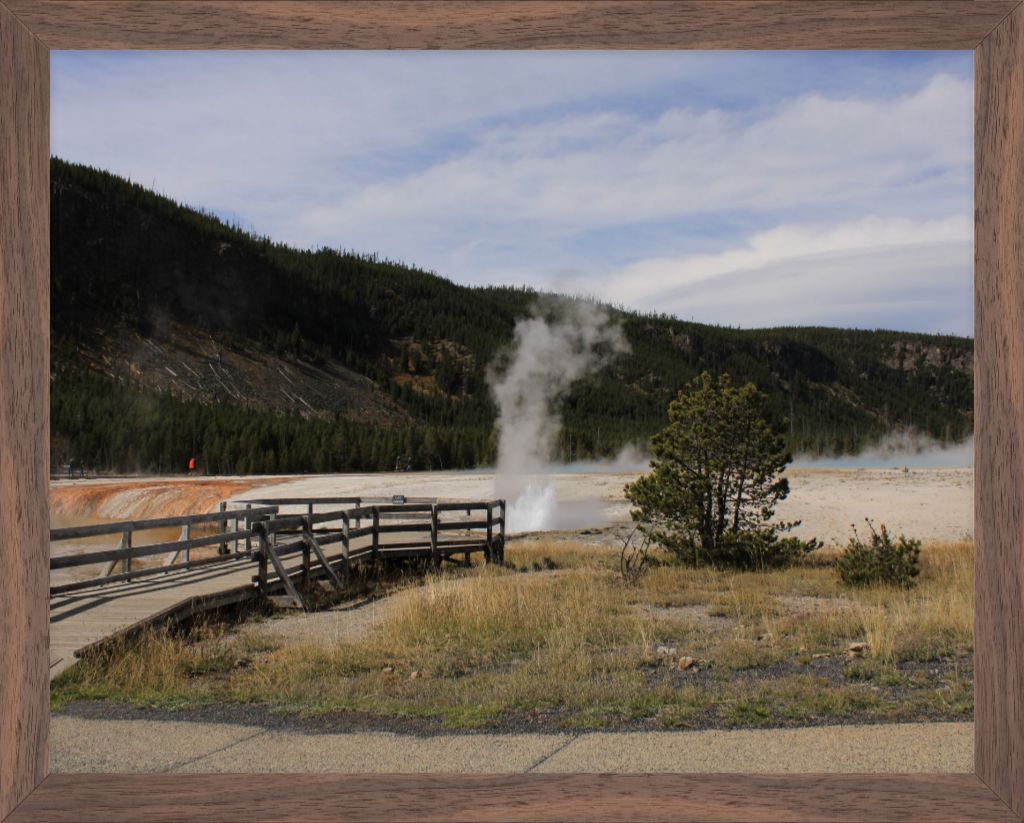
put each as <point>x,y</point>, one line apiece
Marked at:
<point>566,474</point>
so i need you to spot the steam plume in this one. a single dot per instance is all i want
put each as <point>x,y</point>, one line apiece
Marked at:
<point>899,449</point>
<point>563,341</point>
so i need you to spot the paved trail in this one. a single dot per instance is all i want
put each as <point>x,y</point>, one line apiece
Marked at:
<point>86,745</point>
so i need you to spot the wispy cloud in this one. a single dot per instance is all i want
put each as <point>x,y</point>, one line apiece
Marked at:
<point>609,168</point>
<point>890,269</point>
<point>685,182</point>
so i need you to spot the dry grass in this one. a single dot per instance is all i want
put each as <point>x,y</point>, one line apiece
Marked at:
<point>471,647</point>
<point>478,646</point>
<point>565,554</point>
<point>934,619</point>
<point>156,668</point>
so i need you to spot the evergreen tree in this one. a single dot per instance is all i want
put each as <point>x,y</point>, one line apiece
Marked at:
<point>717,475</point>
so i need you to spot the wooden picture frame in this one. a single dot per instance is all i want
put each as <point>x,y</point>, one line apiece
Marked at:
<point>993,29</point>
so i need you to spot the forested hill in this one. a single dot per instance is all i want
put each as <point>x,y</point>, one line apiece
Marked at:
<point>176,335</point>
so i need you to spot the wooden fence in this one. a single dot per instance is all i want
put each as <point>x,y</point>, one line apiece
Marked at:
<point>261,532</point>
<point>369,534</point>
<point>240,535</point>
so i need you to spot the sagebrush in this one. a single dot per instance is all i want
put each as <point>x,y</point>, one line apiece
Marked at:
<point>880,559</point>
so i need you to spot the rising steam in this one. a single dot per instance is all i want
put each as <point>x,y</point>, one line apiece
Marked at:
<point>900,449</point>
<point>562,342</point>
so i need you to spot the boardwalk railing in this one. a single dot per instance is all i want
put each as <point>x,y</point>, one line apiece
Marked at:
<point>232,544</point>
<point>426,530</point>
<point>266,535</point>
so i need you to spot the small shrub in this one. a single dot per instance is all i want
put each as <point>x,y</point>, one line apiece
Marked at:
<point>880,559</point>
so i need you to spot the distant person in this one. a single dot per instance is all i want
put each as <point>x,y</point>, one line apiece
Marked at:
<point>191,465</point>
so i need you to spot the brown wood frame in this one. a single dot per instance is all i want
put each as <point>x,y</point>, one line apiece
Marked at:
<point>993,29</point>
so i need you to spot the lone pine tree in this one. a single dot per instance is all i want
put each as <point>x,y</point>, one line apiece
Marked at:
<point>717,476</point>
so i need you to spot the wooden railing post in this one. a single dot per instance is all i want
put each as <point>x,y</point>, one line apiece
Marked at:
<point>344,546</point>
<point>188,536</point>
<point>248,526</point>
<point>126,564</point>
<point>261,557</point>
<point>223,547</point>
<point>501,508</point>
<point>376,535</point>
<point>307,528</point>
<point>359,504</point>
<point>489,551</point>
<point>435,550</point>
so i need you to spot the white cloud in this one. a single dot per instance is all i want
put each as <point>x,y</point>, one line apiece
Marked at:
<point>873,268</point>
<point>585,172</point>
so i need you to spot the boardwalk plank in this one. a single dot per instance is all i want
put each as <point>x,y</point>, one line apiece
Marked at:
<point>83,618</point>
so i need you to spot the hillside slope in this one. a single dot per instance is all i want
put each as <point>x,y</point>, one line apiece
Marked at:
<point>176,335</point>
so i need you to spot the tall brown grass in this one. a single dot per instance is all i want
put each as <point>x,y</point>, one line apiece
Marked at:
<point>471,645</point>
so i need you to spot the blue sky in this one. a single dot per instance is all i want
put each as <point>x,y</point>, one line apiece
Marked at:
<point>741,188</point>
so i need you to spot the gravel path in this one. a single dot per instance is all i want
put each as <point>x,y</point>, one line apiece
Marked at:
<point>345,623</point>
<point>86,745</point>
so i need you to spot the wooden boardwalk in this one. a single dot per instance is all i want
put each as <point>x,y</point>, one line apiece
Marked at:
<point>94,611</point>
<point>80,619</point>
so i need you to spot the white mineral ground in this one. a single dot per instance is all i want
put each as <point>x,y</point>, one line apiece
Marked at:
<point>926,503</point>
